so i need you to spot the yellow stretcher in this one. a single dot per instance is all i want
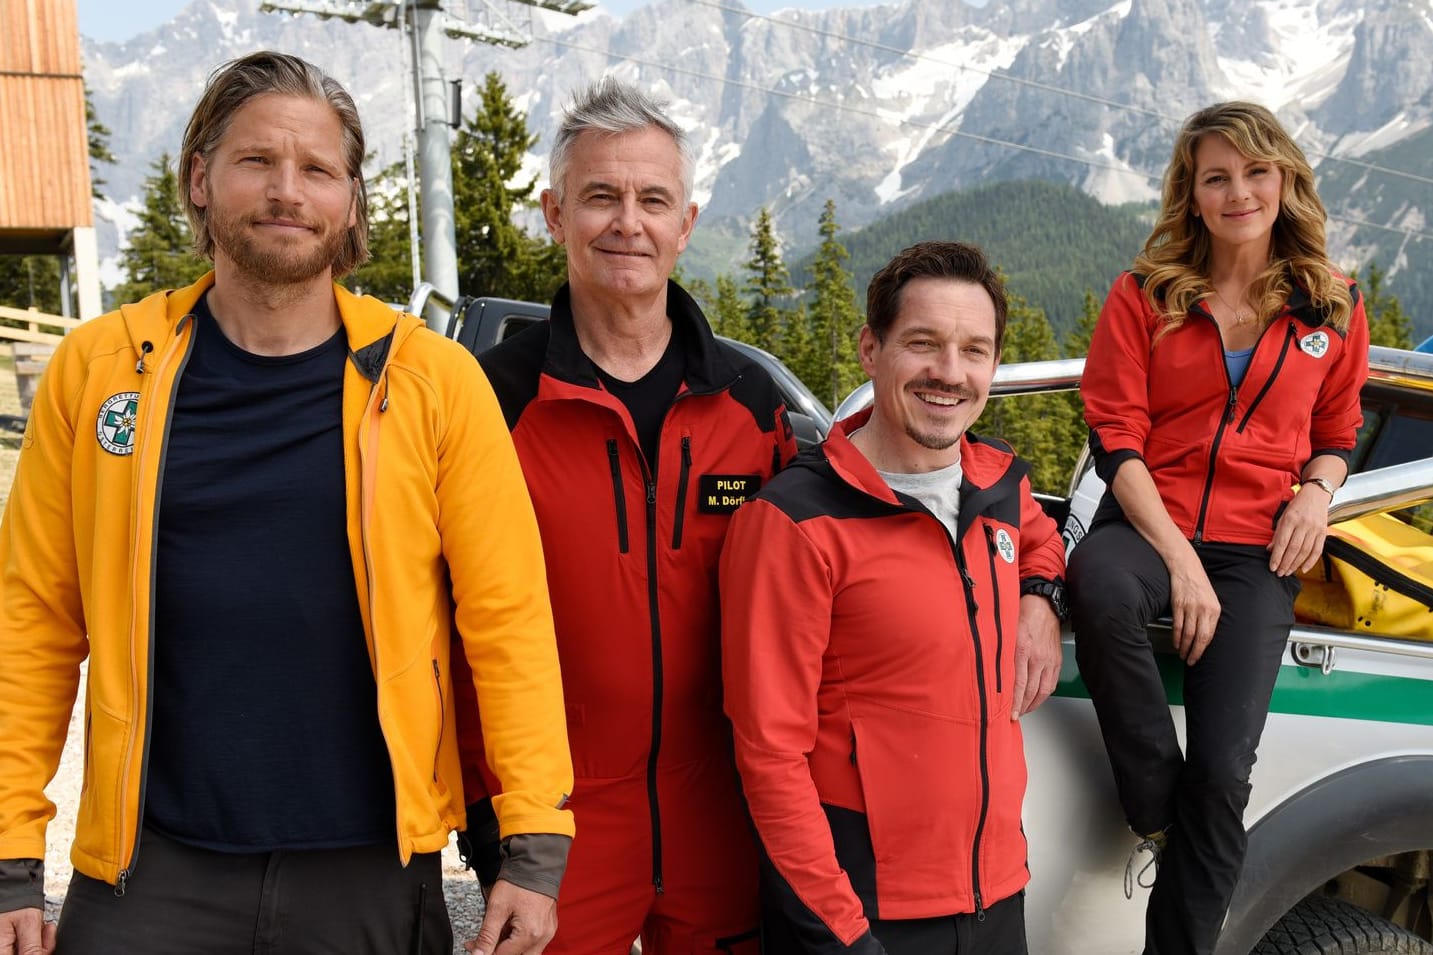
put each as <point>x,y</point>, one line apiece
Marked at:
<point>1376,576</point>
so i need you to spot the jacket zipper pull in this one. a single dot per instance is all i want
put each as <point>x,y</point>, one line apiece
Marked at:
<point>651,492</point>
<point>1233,400</point>
<point>970,589</point>
<point>119,886</point>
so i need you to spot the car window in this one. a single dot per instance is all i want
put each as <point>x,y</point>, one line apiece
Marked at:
<point>516,323</point>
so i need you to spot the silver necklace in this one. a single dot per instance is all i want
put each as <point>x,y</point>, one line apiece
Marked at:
<point>1239,317</point>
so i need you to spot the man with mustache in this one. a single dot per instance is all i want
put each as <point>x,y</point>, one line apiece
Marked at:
<point>890,609</point>
<point>266,509</point>
<point>639,435</point>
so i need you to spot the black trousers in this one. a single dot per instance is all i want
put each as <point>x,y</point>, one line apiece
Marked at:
<point>1118,584</point>
<point>184,900</point>
<point>1001,931</point>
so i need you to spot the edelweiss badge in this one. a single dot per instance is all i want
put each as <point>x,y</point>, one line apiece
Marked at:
<point>115,425</point>
<point>1315,344</point>
<point>1005,546</point>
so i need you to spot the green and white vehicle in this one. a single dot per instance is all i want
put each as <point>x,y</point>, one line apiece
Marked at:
<point>1341,816</point>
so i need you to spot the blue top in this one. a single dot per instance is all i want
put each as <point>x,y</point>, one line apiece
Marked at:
<point>1238,363</point>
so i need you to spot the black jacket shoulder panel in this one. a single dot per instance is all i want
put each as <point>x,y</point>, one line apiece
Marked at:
<point>513,368</point>
<point>753,388</point>
<point>809,488</point>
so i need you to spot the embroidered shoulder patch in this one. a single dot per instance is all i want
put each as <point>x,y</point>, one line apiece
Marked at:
<point>1315,344</point>
<point>1005,546</point>
<point>115,424</point>
<point>724,493</point>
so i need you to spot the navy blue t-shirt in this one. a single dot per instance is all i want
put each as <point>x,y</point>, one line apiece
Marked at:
<point>265,727</point>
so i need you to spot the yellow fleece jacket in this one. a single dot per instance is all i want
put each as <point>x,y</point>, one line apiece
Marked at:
<point>441,534</point>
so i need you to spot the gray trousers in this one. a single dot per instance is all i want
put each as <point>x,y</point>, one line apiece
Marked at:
<point>185,900</point>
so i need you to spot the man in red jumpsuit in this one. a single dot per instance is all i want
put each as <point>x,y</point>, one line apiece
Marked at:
<point>639,434</point>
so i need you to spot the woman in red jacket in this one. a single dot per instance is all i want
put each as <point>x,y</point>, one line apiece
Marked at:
<point>1222,395</point>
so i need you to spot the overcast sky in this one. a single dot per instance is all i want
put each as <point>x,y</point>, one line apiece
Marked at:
<point>119,21</point>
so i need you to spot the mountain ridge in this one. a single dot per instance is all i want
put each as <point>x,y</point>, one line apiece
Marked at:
<point>883,107</point>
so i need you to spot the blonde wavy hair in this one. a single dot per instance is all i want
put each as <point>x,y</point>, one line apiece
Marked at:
<point>1176,257</point>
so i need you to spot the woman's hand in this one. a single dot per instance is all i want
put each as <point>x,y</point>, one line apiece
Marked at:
<point>1299,535</point>
<point>1193,604</point>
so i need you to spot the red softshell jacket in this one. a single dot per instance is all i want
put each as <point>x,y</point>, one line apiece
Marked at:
<point>632,561</point>
<point>868,664</point>
<point>1224,457</point>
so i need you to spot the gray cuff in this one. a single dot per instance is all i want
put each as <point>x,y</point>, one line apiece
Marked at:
<point>535,861</point>
<point>22,884</point>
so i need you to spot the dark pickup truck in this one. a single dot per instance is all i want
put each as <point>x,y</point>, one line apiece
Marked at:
<point>480,323</point>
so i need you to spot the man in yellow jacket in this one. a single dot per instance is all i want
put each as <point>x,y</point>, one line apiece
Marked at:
<point>260,505</point>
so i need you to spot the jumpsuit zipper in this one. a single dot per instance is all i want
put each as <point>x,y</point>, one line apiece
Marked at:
<point>649,483</point>
<point>657,687</point>
<point>127,872</point>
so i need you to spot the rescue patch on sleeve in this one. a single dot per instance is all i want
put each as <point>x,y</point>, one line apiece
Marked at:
<point>1315,344</point>
<point>1005,546</point>
<point>724,493</point>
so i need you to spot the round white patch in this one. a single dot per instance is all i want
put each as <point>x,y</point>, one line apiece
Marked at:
<point>1005,545</point>
<point>114,427</point>
<point>1315,344</point>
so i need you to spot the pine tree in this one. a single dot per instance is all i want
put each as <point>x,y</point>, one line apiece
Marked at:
<point>1038,427</point>
<point>1077,345</point>
<point>728,311</point>
<point>1388,324</point>
<point>835,318</point>
<point>98,143</point>
<point>768,285</point>
<point>800,350</point>
<point>495,255</point>
<point>1077,342</point>
<point>388,273</point>
<point>160,252</point>
<point>30,281</point>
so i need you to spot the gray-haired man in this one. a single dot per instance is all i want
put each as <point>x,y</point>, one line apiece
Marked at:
<point>639,433</point>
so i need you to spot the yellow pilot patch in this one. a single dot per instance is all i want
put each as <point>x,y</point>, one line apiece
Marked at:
<point>724,493</point>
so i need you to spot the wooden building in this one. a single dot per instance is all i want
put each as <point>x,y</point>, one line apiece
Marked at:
<point>45,206</point>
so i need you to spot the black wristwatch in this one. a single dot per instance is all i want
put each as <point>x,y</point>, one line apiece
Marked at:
<point>1051,590</point>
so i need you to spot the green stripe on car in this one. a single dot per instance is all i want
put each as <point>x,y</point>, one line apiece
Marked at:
<point>1303,691</point>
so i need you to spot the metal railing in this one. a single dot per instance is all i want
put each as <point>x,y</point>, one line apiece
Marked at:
<point>431,305</point>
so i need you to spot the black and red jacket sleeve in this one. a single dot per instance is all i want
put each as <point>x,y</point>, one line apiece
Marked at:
<point>1115,383</point>
<point>775,630</point>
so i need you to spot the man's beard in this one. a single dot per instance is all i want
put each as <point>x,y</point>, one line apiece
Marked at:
<point>935,442</point>
<point>931,440</point>
<point>274,263</point>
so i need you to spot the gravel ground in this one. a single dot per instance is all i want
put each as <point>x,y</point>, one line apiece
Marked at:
<point>465,902</point>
